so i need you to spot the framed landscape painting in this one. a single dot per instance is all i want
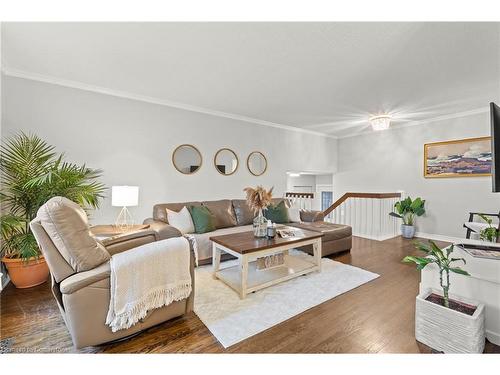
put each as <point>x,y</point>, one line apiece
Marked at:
<point>462,158</point>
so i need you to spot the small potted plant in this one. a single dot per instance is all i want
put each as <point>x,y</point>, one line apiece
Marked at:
<point>446,322</point>
<point>406,210</point>
<point>32,173</point>
<point>490,233</point>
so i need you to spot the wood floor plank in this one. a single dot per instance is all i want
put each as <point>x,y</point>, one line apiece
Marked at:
<point>377,317</point>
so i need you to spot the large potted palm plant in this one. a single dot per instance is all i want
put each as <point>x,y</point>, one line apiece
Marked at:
<point>32,173</point>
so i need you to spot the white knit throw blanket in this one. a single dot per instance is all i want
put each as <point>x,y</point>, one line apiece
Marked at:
<point>147,277</point>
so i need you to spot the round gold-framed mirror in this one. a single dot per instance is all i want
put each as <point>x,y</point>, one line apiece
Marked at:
<point>257,163</point>
<point>187,159</point>
<point>226,161</point>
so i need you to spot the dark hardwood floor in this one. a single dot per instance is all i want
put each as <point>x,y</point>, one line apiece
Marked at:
<point>377,317</point>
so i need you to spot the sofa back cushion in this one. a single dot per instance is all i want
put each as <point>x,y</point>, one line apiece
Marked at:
<point>223,212</point>
<point>160,210</point>
<point>59,268</point>
<point>203,219</point>
<point>67,226</point>
<point>244,214</point>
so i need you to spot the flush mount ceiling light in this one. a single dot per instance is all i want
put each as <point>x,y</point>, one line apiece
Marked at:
<point>380,122</point>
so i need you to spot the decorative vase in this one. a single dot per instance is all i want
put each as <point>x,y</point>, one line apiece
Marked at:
<point>260,225</point>
<point>407,231</point>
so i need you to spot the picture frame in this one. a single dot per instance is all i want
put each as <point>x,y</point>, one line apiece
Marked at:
<point>469,157</point>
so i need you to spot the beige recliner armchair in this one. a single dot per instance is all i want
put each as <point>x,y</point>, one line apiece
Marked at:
<point>83,296</point>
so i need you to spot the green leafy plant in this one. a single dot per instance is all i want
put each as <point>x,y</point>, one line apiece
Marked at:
<point>490,233</point>
<point>32,173</point>
<point>407,209</point>
<point>443,260</point>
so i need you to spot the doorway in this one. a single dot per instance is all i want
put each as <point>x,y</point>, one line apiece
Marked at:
<point>320,184</point>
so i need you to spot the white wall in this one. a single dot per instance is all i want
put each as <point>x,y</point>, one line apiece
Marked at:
<point>323,179</point>
<point>132,142</point>
<point>392,160</point>
<point>305,183</point>
<point>3,271</point>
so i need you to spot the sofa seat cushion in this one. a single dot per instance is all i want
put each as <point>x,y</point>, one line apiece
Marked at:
<point>331,231</point>
<point>223,212</point>
<point>67,226</point>
<point>202,244</point>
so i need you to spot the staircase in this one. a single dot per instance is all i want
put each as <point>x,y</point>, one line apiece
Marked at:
<point>367,214</point>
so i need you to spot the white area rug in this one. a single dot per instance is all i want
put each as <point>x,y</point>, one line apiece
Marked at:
<point>232,320</point>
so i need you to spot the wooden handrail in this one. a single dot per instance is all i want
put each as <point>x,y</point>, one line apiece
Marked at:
<point>299,195</point>
<point>346,196</point>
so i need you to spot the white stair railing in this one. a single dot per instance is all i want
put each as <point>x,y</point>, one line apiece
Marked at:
<point>367,214</point>
<point>300,200</point>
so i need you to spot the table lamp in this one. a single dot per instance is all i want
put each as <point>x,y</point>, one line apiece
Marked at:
<point>124,196</point>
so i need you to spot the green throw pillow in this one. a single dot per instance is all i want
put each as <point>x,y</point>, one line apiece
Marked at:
<point>277,213</point>
<point>203,219</point>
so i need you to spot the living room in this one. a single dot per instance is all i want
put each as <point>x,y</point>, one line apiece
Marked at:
<point>227,187</point>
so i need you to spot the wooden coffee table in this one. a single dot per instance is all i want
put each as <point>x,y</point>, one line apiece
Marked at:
<point>245,278</point>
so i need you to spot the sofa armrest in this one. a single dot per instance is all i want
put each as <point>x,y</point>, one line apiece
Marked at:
<point>82,279</point>
<point>162,229</point>
<point>311,215</point>
<point>127,241</point>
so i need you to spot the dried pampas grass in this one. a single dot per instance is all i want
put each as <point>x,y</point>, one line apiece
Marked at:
<point>258,198</point>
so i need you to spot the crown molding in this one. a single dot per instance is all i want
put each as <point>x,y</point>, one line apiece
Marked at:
<point>421,122</point>
<point>152,100</point>
<point>211,112</point>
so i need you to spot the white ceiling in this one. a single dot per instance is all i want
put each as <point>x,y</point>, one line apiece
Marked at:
<point>324,77</point>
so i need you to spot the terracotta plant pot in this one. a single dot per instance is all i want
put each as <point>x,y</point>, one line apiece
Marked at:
<point>25,274</point>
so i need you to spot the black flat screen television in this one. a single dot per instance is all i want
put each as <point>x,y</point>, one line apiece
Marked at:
<point>495,146</point>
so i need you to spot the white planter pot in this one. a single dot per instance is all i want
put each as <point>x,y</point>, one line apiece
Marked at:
<point>407,231</point>
<point>447,330</point>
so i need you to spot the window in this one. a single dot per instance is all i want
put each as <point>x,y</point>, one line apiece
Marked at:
<point>326,199</point>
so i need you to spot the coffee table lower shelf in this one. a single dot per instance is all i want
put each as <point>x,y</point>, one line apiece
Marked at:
<point>259,279</point>
<point>245,278</point>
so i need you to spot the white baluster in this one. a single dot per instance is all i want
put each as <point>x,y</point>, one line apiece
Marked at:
<point>372,220</point>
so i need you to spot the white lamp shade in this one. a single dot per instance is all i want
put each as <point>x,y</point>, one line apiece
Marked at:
<point>124,196</point>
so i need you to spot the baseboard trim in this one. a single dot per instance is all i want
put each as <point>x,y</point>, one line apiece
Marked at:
<point>4,282</point>
<point>376,238</point>
<point>493,337</point>
<point>438,237</point>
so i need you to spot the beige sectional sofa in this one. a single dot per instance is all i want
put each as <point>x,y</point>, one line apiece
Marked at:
<point>233,216</point>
